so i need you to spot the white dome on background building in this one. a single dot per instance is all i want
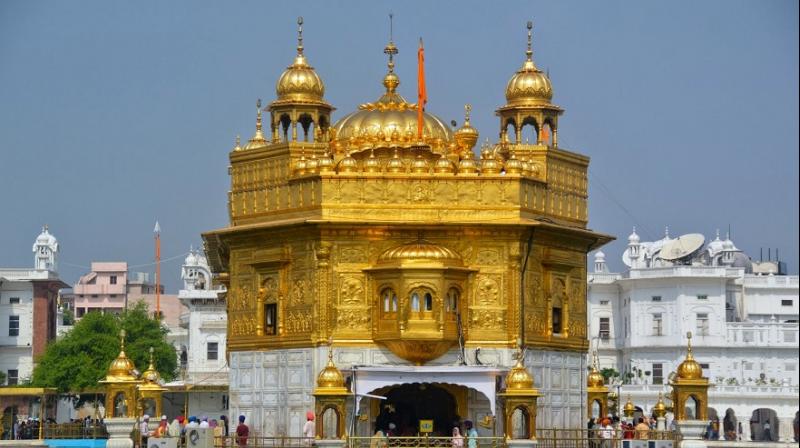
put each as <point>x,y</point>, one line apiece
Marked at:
<point>45,250</point>
<point>633,238</point>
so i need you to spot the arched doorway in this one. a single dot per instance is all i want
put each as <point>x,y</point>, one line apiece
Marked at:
<point>712,432</point>
<point>407,404</point>
<point>764,425</point>
<point>729,425</point>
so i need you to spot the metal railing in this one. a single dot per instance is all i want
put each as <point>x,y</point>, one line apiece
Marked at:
<point>421,441</point>
<point>77,430</point>
<point>598,438</point>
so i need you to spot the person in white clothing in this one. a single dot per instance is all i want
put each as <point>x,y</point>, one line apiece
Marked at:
<point>309,429</point>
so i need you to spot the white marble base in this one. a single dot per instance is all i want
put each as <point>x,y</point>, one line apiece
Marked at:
<point>692,433</point>
<point>661,424</point>
<point>119,432</point>
<point>330,443</point>
<point>521,443</point>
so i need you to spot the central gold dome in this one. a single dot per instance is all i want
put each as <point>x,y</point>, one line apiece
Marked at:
<point>390,121</point>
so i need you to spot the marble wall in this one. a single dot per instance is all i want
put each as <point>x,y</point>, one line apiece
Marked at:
<point>273,388</point>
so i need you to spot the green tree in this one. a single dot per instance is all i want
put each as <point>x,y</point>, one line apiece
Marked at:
<point>81,358</point>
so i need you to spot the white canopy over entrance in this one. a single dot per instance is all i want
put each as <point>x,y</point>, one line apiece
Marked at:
<point>482,379</point>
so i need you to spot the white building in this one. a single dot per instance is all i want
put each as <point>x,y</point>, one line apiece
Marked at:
<point>744,326</point>
<point>28,298</point>
<point>203,378</point>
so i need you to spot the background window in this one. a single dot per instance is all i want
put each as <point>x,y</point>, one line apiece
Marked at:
<point>13,377</point>
<point>13,326</point>
<point>702,324</point>
<point>605,328</point>
<point>556,320</point>
<point>113,280</point>
<point>658,373</point>
<point>14,300</point>
<point>702,297</point>
<point>656,298</point>
<point>658,324</point>
<point>604,302</point>
<point>212,351</point>
<point>271,319</point>
<point>783,302</point>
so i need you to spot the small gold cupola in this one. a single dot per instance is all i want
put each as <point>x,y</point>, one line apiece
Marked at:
<point>528,102</point>
<point>690,369</point>
<point>466,136</point>
<point>300,101</point>
<point>257,140</point>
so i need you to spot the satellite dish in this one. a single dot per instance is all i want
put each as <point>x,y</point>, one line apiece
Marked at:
<point>682,246</point>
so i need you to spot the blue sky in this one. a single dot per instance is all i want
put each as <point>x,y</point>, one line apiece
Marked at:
<point>115,114</point>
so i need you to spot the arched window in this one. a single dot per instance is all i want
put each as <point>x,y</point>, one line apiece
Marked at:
<point>389,299</point>
<point>415,302</point>
<point>596,409</point>
<point>330,424</point>
<point>519,424</point>
<point>120,405</point>
<point>691,406</point>
<point>428,302</point>
<point>451,305</point>
<point>149,406</point>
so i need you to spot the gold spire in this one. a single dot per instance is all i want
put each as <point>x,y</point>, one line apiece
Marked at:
<point>237,146</point>
<point>595,378</point>
<point>151,375</point>
<point>689,369</point>
<point>629,408</point>
<point>121,368</point>
<point>330,377</point>
<point>300,36</point>
<point>299,83</point>
<point>519,377</point>
<point>258,140</point>
<point>529,84</point>
<point>660,409</point>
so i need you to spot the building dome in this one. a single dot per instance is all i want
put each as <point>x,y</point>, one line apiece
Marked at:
<point>595,379</point>
<point>299,83</point>
<point>257,140</point>
<point>633,238</point>
<point>519,377</point>
<point>629,409</point>
<point>419,251</point>
<point>45,238</point>
<point>347,165</point>
<point>466,136</point>
<point>372,164</point>
<point>151,375</point>
<point>660,408</point>
<point>121,368</point>
<point>467,166</point>
<point>330,377</point>
<point>391,121</point>
<point>529,85</point>
<point>690,369</point>
<point>599,257</point>
<point>443,166</point>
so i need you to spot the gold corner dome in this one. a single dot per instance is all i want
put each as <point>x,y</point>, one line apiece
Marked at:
<point>595,379</point>
<point>300,83</point>
<point>420,252</point>
<point>330,377</point>
<point>629,408</point>
<point>660,408</point>
<point>121,368</point>
<point>466,136</point>
<point>529,85</point>
<point>690,369</point>
<point>519,377</point>
<point>391,121</point>
<point>151,375</point>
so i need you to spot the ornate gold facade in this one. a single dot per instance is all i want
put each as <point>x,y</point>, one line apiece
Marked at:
<point>360,232</point>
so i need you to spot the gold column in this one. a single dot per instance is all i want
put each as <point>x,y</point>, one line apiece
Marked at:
<point>596,390</point>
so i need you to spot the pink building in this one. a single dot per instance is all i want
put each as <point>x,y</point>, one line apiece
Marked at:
<point>104,289</point>
<point>110,288</point>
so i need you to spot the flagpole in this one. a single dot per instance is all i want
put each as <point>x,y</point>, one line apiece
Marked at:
<point>422,94</point>
<point>157,232</point>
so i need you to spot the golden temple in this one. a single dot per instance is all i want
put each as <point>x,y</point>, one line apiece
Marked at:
<point>359,232</point>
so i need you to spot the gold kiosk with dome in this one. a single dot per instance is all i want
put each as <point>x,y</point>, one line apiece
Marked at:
<point>150,389</point>
<point>596,392</point>
<point>387,235</point>
<point>330,399</point>
<point>120,384</point>
<point>690,389</point>
<point>519,403</point>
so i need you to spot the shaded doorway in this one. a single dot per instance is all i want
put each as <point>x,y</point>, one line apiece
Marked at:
<point>764,425</point>
<point>407,404</point>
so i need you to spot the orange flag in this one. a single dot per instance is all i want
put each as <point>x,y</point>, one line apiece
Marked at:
<point>422,94</point>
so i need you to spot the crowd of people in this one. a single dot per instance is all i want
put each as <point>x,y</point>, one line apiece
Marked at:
<point>603,431</point>
<point>180,426</point>
<point>382,437</point>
